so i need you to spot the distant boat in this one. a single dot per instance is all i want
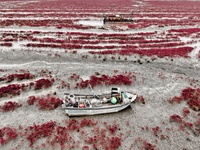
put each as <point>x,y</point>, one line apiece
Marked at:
<point>116,18</point>
<point>81,105</point>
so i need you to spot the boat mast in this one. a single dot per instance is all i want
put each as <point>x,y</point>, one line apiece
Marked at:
<point>93,92</point>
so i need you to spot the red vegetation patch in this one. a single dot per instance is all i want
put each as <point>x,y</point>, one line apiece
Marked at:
<point>143,144</point>
<point>61,136</point>
<point>188,125</point>
<point>188,30</point>
<point>190,93</point>
<point>22,76</point>
<point>186,111</point>
<point>74,76</point>
<point>85,148</point>
<point>176,118</point>
<point>170,52</point>
<point>6,44</point>
<point>45,103</point>
<point>102,140</point>
<point>12,89</point>
<point>156,130</point>
<point>194,104</point>
<point>63,85</point>
<point>10,106</point>
<point>54,134</point>
<point>113,128</point>
<point>7,134</point>
<point>39,131</point>
<point>31,100</point>
<point>191,96</point>
<point>176,99</point>
<point>197,123</point>
<point>114,143</point>
<point>73,125</point>
<point>87,123</point>
<point>148,146</point>
<point>49,103</point>
<point>140,99</point>
<point>43,83</point>
<point>121,79</point>
<point>182,124</point>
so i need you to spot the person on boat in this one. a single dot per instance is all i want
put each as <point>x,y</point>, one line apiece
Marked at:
<point>115,95</point>
<point>113,100</point>
<point>72,100</point>
<point>116,99</point>
<point>66,101</point>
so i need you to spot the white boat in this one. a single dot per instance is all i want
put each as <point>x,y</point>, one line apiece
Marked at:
<point>116,18</point>
<point>81,105</point>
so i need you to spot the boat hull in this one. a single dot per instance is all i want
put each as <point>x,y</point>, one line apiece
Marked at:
<point>72,111</point>
<point>97,104</point>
